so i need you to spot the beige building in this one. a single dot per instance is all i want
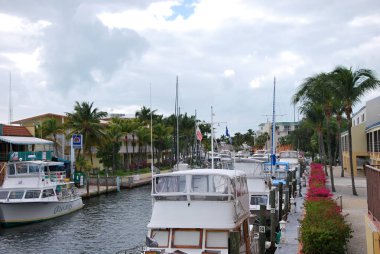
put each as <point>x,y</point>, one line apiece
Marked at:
<point>282,129</point>
<point>365,137</point>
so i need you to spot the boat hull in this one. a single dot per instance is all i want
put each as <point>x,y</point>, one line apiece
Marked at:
<point>13,214</point>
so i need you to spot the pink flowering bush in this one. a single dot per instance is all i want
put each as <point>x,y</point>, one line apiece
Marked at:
<point>324,229</point>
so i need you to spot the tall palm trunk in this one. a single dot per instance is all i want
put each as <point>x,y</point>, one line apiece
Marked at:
<point>322,149</point>
<point>350,153</point>
<point>339,144</point>
<point>329,152</point>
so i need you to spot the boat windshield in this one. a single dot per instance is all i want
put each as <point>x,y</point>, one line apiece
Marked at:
<point>259,199</point>
<point>167,184</point>
<point>209,183</point>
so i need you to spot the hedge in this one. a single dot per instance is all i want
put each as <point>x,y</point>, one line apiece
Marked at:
<point>324,229</point>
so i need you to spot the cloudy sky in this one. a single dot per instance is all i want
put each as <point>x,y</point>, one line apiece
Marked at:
<point>225,53</point>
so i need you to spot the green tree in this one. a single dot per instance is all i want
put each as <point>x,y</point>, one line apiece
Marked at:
<point>51,128</point>
<point>85,120</point>
<point>350,86</point>
<point>317,90</point>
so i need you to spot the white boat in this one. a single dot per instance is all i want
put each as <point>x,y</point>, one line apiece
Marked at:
<point>291,157</point>
<point>261,155</point>
<point>259,195</point>
<point>35,191</point>
<point>197,211</point>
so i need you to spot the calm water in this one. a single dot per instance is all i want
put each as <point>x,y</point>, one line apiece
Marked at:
<point>106,224</point>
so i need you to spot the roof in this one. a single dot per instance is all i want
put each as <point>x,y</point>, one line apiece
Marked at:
<point>38,118</point>
<point>196,214</point>
<point>9,130</point>
<point>25,140</point>
<point>372,126</point>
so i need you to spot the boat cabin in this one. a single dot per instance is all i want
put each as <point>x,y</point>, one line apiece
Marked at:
<point>197,211</point>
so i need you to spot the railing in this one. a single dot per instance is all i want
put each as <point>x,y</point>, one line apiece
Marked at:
<point>373,190</point>
<point>24,156</point>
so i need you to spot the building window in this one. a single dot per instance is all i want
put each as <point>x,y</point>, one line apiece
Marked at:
<point>362,117</point>
<point>370,142</point>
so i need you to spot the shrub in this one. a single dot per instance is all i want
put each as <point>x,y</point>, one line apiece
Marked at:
<point>324,229</point>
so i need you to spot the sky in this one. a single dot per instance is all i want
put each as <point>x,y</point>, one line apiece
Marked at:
<point>225,53</point>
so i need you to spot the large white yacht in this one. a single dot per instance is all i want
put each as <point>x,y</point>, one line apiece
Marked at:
<point>32,191</point>
<point>198,211</point>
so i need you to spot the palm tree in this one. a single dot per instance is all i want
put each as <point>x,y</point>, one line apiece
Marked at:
<point>51,128</point>
<point>86,120</point>
<point>143,137</point>
<point>349,86</point>
<point>162,135</point>
<point>317,90</point>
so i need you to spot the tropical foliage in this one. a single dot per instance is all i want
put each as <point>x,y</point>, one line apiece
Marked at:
<point>324,97</point>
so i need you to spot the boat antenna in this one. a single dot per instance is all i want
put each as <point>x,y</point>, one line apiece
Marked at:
<point>212,138</point>
<point>10,99</point>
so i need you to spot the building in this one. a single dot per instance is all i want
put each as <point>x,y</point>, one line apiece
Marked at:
<point>365,133</point>
<point>17,143</point>
<point>33,125</point>
<point>282,129</point>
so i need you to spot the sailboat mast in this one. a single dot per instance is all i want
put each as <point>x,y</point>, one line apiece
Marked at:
<point>212,138</point>
<point>274,124</point>
<point>10,99</point>
<point>177,115</point>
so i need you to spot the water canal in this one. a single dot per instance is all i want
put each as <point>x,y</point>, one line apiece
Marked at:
<point>106,224</point>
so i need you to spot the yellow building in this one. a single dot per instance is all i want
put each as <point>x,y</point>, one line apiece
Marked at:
<point>365,134</point>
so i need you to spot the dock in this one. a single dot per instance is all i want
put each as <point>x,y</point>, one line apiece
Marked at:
<point>127,182</point>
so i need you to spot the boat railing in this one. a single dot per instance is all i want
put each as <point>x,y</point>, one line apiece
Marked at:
<point>57,176</point>
<point>183,196</point>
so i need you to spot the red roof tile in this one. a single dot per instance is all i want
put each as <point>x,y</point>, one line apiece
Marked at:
<point>21,131</point>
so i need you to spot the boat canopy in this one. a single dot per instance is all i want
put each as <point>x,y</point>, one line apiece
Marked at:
<point>25,140</point>
<point>280,165</point>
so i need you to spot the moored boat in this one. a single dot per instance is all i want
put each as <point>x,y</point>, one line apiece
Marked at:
<point>199,211</point>
<point>35,191</point>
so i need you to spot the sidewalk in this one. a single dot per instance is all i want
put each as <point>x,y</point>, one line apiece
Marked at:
<point>355,207</point>
<point>290,244</point>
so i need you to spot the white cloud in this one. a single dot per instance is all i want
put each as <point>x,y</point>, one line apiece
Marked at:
<point>256,83</point>
<point>25,62</point>
<point>226,52</point>
<point>208,15</point>
<point>363,21</point>
<point>229,73</point>
<point>14,24</point>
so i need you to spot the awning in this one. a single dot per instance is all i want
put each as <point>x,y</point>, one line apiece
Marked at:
<point>25,140</point>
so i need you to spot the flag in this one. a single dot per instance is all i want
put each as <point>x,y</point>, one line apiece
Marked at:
<point>227,134</point>
<point>199,134</point>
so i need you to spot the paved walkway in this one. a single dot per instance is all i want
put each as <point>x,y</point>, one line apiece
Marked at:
<point>355,207</point>
<point>289,242</point>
